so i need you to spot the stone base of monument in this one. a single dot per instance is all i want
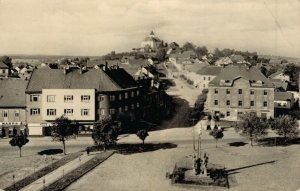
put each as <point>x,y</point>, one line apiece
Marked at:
<point>215,176</point>
<point>190,176</point>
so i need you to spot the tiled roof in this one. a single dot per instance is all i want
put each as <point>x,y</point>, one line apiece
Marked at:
<point>3,65</point>
<point>89,79</point>
<point>210,70</point>
<point>12,92</point>
<point>196,66</point>
<point>283,96</point>
<point>230,73</point>
<point>275,74</point>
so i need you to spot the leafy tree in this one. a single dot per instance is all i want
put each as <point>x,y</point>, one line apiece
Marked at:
<point>252,126</point>
<point>64,129</point>
<point>286,126</point>
<point>161,54</point>
<point>217,53</point>
<point>19,141</point>
<point>188,46</point>
<point>217,134</point>
<point>142,134</point>
<point>105,133</point>
<point>292,70</point>
<point>201,51</point>
<point>227,52</point>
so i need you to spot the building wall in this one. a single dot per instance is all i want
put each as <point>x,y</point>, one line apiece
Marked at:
<point>59,104</point>
<point>282,77</point>
<point>113,103</point>
<point>234,97</point>
<point>203,81</point>
<point>4,72</point>
<point>283,104</point>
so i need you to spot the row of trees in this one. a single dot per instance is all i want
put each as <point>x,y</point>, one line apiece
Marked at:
<point>105,133</point>
<point>255,127</point>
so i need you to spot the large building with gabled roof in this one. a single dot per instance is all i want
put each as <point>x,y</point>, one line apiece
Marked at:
<point>84,96</point>
<point>240,89</point>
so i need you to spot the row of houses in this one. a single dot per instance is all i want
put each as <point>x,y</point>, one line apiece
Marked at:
<point>82,95</point>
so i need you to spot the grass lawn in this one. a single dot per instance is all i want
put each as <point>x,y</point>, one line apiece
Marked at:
<point>11,164</point>
<point>250,168</point>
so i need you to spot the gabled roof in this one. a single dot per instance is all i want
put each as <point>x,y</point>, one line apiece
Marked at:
<point>231,73</point>
<point>283,96</point>
<point>12,92</point>
<point>3,65</point>
<point>210,70</point>
<point>196,66</point>
<point>275,74</point>
<point>110,80</point>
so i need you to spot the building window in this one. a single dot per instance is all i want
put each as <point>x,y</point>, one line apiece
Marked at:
<point>85,98</point>
<point>251,103</point>
<point>126,108</point>
<point>204,78</point>
<point>240,103</point>
<point>5,113</point>
<point>240,91</point>
<point>17,113</point>
<point>68,112</point>
<point>137,105</point>
<point>120,96</point>
<point>216,91</point>
<point>208,78</point>
<point>102,112</point>
<point>252,92</point>
<point>228,102</point>
<point>204,85</point>
<point>228,113</point>
<point>120,109</point>
<point>227,91</point>
<point>137,92</point>
<point>132,94</point>
<point>216,102</point>
<point>34,98</point>
<point>85,112</point>
<point>101,98</point>
<point>68,98</point>
<point>265,104</point>
<point>50,98</point>
<point>51,112</point>
<point>132,106</point>
<point>126,95</point>
<point>111,111</point>
<point>111,98</point>
<point>265,92</point>
<point>35,111</point>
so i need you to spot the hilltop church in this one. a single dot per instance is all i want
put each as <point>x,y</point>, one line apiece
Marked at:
<point>151,42</point>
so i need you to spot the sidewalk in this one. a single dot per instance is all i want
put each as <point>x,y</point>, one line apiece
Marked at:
<point>58,173</point>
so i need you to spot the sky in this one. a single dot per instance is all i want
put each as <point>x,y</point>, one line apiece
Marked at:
<point>96,27</point>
